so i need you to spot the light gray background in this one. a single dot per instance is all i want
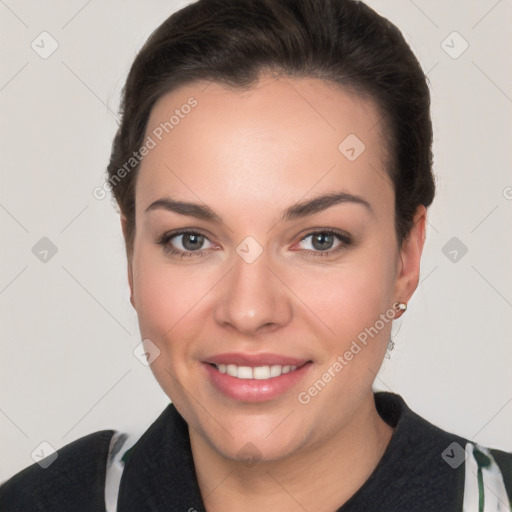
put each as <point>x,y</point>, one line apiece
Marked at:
<point>68,329</point>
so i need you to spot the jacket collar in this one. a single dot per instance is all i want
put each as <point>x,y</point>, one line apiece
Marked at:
<point>160,475</point>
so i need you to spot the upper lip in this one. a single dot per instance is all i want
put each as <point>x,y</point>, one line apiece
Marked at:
<point>254,360</point>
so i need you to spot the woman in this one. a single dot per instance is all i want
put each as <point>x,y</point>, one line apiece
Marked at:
<point>273,171</point>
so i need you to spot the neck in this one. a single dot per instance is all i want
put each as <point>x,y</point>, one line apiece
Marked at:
<point>320,477</point>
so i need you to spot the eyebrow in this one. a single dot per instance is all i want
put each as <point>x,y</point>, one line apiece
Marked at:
<point>296,211</point>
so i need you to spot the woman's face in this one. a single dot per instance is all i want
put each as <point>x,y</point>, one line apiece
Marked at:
<point>265,277</point>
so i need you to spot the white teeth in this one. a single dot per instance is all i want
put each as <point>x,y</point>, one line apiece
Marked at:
<point>244,372</point>
<point>258,372</point>
<point>231,369</point>
<point>261,372</point>
<point>275,370</point>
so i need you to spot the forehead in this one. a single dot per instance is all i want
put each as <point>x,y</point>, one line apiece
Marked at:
<point>279,141</point>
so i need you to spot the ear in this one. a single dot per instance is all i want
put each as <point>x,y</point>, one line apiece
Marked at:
<point>124,226</point>
<point>410,256</point>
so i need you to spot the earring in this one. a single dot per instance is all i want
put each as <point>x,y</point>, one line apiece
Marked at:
<point>391,346</point>
<point>401,306</point>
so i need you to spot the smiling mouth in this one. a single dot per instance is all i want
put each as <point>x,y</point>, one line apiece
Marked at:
<point>256,372</point>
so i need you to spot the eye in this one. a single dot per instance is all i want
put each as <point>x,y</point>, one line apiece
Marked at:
<point>326,242</point>
<point>185,243</point>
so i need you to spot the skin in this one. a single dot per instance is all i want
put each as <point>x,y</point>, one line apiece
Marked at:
<point>249,156</point>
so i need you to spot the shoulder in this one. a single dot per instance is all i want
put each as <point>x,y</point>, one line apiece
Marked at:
<point>73,481</point>
<point>449,466</point>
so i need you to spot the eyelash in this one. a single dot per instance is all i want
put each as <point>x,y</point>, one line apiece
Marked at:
<point>164,241</point>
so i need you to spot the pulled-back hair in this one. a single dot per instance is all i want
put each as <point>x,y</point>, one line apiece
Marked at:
<point>233,42</point>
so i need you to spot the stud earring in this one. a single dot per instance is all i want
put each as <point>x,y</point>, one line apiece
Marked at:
<point>401,306</point>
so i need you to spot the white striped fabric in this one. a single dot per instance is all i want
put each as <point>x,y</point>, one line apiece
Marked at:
<point>492,495</point>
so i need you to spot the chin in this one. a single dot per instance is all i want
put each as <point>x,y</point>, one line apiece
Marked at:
<point>261,438</point>
<point>253,451</point>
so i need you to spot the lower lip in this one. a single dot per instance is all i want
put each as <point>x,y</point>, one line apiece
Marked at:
<point>255,390</point>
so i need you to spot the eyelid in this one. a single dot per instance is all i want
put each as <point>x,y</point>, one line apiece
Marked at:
<point>181,231</point>
<point>344,238</point>
<point>342,234</point>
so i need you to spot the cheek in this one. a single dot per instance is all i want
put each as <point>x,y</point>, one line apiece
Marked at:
<point>355,304</point>
<point>350,297</point>
<point>168,299</point>
<point>168,305</point>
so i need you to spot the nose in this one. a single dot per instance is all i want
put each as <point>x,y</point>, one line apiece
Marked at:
<point>253,300</point>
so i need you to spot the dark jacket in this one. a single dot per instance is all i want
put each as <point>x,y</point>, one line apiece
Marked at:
<point>423,469</point>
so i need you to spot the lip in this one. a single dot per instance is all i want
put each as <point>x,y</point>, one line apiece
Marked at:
<point>253,360</point>
<point>255,390</point>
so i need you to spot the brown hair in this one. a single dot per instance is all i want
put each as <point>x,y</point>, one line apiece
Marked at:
<point>233,41</point>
